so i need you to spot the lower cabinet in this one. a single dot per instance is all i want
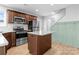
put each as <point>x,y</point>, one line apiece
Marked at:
<point>39,44</point>
<point>10,36</point>
<point>13,38</point>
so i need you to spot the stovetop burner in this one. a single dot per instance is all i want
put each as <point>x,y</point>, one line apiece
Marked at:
<point>19,32</point>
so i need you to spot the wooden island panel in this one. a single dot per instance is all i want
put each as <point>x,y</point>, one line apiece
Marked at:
<point>39,44</point>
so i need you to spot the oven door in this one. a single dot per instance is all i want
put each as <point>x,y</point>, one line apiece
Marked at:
<point>21,35</point>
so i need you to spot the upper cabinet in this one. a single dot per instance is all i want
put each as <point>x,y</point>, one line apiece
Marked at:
<point>33,17</point>
<point>12,14</point>
<point>30,17</point>
<point>27,17</point>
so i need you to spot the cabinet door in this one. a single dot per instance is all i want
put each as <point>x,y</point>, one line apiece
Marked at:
<point>32,43</point>
<point>30,17</point>
<point>15,14</point>
<point>8,37</point>
<point>10,16</point>
<point>27,17</point>
<point>13,37</point>
<point>22,15</point>
<point>33,18</point>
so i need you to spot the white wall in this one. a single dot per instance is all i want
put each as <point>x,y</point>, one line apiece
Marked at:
<point>72,13</point>
<point>47,21</point>
<point>40,20</point>
<point>9,27</point>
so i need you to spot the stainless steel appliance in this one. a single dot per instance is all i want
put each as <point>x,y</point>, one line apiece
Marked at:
<point>30,26</point>
<point>21,34</point>
<point>21,37</point>
<point>33,26</point>
<point>18,19</point>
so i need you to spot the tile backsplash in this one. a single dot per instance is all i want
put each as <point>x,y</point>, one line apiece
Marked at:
<point>9,28</point>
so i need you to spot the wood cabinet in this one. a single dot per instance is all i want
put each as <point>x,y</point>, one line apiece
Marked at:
<point>27,18</point>
<point>39,44</point>
<point>35,18</point>
<point>19,14</point>
<point>32,17</point>
<point>13,37</point>
<point>32,44</point>
<point>10,36</point>
<point>12,14</point>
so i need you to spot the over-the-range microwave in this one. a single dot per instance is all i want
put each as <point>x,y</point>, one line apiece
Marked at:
<point>18,19</point>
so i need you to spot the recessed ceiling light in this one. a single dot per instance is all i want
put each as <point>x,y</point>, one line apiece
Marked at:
<point>51,4</point>
<point>36,10</point>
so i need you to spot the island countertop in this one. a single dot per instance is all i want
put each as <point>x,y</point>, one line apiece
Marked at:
<point>3,41</point>
<point>39,33</point>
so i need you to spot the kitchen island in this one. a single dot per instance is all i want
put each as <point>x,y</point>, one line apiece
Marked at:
<point>3,43</point>
<point>39,43</point>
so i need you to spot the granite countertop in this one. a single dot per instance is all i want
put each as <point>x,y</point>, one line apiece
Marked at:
<point>3,41</point>
<point>6,31</point>
<point>39,33</point>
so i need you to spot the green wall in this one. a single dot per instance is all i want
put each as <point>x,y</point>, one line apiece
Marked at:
<point>66,33</point>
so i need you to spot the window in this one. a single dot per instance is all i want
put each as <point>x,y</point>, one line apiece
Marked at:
<point>2,16</point>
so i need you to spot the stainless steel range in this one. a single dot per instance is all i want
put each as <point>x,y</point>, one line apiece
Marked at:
<point>21,34</point>
<point>21,37</point>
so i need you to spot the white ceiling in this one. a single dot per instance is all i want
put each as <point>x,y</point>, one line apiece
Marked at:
<point>44,9</point>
